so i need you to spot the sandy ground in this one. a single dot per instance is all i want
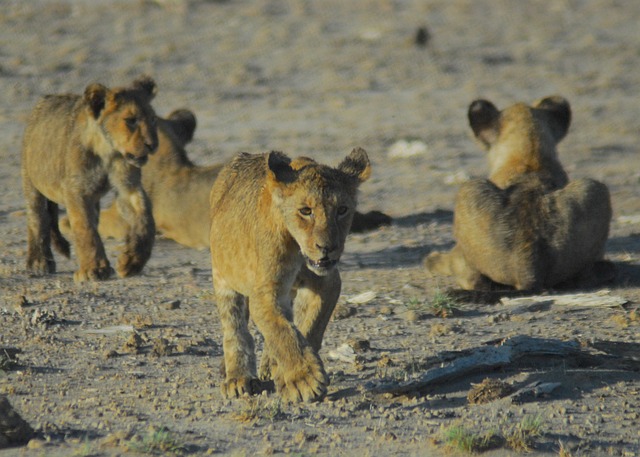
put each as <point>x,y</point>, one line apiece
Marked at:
<point>318,78</point>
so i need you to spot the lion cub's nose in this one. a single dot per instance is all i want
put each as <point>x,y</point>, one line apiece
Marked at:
<point>151,146</point>
<point>326,250</point>
<point>138,161</point>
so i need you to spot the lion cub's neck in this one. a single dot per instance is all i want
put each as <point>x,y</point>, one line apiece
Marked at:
<point>94,139</point>
<point>523,147</point>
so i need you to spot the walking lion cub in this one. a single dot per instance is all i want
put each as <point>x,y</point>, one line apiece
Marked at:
<point>278,228</point>
<point>526,226</point>
<point>75,148</point>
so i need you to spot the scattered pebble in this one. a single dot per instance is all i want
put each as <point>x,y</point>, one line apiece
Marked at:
<point>361,299</point>
<point>422,37</point>
<point>403,149</point>
<point>343,312</point>
<point>171,305</point>
<point>133,344</point>
<point>161,347</point>
<point>489,390</point>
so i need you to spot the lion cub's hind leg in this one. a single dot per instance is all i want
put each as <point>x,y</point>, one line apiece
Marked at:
<point>454,264</point>
<point>59,242</point>
<point>112,224</point>
<point>238,345</point>
<point>39,256</point>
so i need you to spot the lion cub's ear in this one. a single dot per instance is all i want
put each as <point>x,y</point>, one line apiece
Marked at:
<point>484,121</point>
<point>146,84</point>
<point>95,95</point>
<point>183,123</point>
<point>279,168</point>
<point>356,165</point>
<point>558,112</point>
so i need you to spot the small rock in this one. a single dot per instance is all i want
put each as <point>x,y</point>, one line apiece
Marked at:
<point>161,347</point>
<point>133,344</point>
<point>110,354</point>
<point>359,345</point>
<point>344,353</point>
<point>412,316</point>
<point>386,311</point>
<point>171,305</point>
<point>422,37</point>
<point>403,149</point>
<point>344,312</point>
<point>489,390</point>
<point>44,318</point>
<point>361,299</point>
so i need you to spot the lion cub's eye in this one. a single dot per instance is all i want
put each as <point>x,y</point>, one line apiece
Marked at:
<point>342,210</point>
<point>306,211</point>
<point>132,122</point>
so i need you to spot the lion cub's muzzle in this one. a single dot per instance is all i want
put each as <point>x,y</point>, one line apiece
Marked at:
<point>326,263</point>
<point>322,266</point>
<point>136,161</point>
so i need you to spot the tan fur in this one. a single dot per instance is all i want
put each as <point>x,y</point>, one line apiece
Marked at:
<point>525,227</point>
<point>179,190</point>
<point>75,148</point>
<point>278,229</point>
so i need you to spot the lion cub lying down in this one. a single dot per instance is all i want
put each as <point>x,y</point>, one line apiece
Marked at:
<point>278,228</point>
<point>525,227</point>
<point>179,190</point>
<point>75,148</point>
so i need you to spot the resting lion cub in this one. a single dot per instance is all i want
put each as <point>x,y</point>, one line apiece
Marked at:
<point>279,227</point>
<point>179,190</point>
<point>75,148</point>
<point>526,227</point>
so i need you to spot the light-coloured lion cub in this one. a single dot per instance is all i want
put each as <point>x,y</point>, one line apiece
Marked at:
<point>526,226</point>
<point>75,148</point>
<point>278,229</point>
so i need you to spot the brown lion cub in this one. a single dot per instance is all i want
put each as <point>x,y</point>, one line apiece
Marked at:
<point>278,228</point>
<point>75,148</point>
<point>526,227</point>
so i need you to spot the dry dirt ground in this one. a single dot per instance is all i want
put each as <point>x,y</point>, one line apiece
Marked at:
<point>131,366</point>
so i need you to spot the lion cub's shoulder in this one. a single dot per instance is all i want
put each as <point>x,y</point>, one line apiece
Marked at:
<point>522,139</point>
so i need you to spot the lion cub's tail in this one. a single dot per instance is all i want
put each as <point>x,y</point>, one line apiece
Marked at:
<point>60,243</point>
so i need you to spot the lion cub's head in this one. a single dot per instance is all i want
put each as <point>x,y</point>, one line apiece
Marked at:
<point>522,139</point>
<point>125,118</point>
<point>317,203</point>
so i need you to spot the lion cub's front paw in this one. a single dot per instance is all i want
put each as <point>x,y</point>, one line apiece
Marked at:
<point>268,366</point>
<point>129,265</point>
<point>304,382</point>
<point>101,272</point>
<point>433,262</point>
<point>41,266</point>
<point>237,387</point>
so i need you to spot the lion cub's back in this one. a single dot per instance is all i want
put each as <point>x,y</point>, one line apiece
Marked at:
<point>238,185</point>
<point>46,137</point>
<point>530,236</point>
<point>583,211</point>
<point>50,120</point>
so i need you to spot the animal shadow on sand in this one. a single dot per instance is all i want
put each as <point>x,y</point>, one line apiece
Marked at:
<point>401,256</point>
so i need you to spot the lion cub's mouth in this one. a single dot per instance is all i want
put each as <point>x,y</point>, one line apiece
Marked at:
<point>136,161</point>
<point>322,265</point>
